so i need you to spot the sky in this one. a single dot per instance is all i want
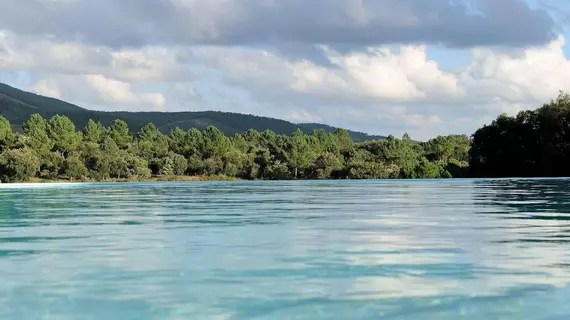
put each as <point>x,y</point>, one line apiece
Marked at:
<point>426,67</point>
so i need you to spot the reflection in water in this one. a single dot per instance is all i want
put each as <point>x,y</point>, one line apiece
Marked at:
<point>469,249</point>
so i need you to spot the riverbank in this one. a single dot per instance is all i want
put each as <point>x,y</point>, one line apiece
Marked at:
<point>152,179</point>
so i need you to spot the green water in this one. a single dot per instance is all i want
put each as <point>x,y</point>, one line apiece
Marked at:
<point>461,249</point>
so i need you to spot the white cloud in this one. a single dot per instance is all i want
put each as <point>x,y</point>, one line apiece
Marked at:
<point>378,90</point>
<point>407,75</point>
<point>112,90</point>
<point>535,75</point>
<point>146,64</point>
<point>117,92</point>
<point>378,74</point>
<point>47,88</point>
<point>101,93</point>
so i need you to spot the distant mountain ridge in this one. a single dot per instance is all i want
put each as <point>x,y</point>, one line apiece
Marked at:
<point>17,105</point>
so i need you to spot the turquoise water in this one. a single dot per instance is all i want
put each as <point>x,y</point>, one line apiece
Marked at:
<point>461,249</point>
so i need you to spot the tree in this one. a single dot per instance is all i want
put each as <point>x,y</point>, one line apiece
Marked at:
<point>445,148</point>
<point>62,133</point>
<point>403,153</point>
<point>195,165</point>
<point>36,131</point>
<point>18,165</point>
<point>212,166</point>
<point>112,160</point>
<point>532,143</point>
<point>180,164</point>
<point>196,141</point>
<point>51,164</point>
<point>138,168</point>
<point>426,170</point>
<point>300,153</point>
<point>262,160</point>
<point>119,132</point>
<point>172,165</point>
<point>180,142</point>
<point>96,162</point>
<point>513,146</point>
<point>237,163</point>
<point>93,132</point>
<point>362,164</point>
<point>74,167</point>
<point>278,171</point>
<point>151,143</point>
<point>6,134</point>
<point>324,165</point>
<point>167,167</point>
<point>215,143</point>
<point>457,169</point>
<point>129,166</point>
<point>240,143</point>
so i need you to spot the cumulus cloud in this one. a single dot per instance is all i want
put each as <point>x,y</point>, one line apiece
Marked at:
<point>100,92</point>
<point>148,64</point>
<point>372,90</point>
<point>377,74</point>
<point>114,91</point>
<point>380,90</point>
<point>536,74</point>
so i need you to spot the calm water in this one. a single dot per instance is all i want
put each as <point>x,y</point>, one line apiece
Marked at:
<point>286,250</point>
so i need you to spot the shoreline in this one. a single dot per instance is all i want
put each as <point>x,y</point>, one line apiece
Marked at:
<point>226,178</point>
<point>152,179</point>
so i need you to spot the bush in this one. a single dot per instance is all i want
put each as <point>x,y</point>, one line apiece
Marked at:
<point>51,165</point>
<point>179,164</point>
<point>18,165</point>
<point>372,170</point>
<point>278,171</point>
<point>324,165</point>
<point>74,168</point>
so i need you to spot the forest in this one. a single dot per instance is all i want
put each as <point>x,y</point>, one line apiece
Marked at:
<point>53,149</point>
<point>534,143</point>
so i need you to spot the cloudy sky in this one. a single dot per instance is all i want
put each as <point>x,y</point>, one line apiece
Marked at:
<point>427,67</point>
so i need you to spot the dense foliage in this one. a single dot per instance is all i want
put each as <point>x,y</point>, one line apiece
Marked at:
<point>49,146</point>
<point>532,144</point>
<point>54,149</point>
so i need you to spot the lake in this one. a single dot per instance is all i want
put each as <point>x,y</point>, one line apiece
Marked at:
<point>441,249</point>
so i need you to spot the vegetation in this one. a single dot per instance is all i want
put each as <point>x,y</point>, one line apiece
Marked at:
<point>532,144</point>
<point>17,106</point>
<point>51,149</point>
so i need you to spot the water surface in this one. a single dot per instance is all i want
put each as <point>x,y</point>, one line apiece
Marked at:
<point>444,249</point>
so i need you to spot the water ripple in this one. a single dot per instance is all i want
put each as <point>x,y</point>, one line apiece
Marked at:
<point>442,249</point>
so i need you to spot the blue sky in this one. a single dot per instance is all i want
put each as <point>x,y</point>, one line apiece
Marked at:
<point>428,67</point>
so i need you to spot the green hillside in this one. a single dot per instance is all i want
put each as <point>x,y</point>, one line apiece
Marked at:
<point>354,135</point>
<point>17,105</point>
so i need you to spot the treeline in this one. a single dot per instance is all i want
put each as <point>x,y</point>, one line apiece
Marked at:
<point>531,144</point>
<point>54,149</point>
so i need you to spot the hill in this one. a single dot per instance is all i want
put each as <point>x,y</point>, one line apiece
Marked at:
<point>354,135</point>
<point>17,105</point>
